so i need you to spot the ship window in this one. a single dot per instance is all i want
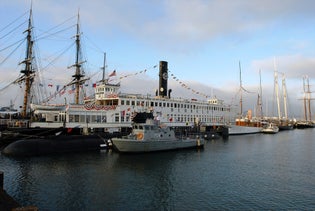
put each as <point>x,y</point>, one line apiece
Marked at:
<point>117,117</point>
<point>127,102</point>
<point>122,102</point>
<point>132,102</point>
<point>82,118</point>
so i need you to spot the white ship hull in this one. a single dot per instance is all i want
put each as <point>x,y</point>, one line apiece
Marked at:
<point>243,130</point>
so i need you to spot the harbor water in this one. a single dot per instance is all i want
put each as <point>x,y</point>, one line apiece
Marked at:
<point>248,172</point>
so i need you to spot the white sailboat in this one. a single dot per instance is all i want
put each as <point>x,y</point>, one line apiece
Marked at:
<point>307,122</point>
<point>270,128</point>
<point>283,122</point>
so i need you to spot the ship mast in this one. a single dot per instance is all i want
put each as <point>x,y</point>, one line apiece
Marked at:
<point>241,87</point>
<point>304,99</point>
<point>285,103</point>
<point>307,99</point>
<point>277,89</point>
<point>78,73</point>
<point>260,109</point>
<point>28,72</point>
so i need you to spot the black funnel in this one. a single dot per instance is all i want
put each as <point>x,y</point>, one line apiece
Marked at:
<point>163,79</point>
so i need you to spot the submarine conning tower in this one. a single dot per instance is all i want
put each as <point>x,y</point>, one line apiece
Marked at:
<point>163,76</point>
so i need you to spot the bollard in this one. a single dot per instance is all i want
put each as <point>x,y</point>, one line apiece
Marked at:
<point>1,180</point>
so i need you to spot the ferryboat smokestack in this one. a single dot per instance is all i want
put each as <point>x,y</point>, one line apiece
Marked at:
<point>163,79</point>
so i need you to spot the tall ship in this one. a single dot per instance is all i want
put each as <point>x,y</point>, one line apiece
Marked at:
<point>111,110</point>
<point>245,124</point>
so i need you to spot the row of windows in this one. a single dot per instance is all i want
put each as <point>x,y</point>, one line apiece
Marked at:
<point>170,105</point>
<point>126,118</point>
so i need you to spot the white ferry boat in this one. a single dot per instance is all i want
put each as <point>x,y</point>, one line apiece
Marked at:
<point>110,110</point>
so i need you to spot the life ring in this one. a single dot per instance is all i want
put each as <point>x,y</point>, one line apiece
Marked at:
<point>139,136</point>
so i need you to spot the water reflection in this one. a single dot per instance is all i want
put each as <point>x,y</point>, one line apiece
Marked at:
<point>245,172</point>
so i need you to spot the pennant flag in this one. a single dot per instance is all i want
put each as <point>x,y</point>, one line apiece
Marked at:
<point>72,90</point>
<point>62,92</point>
<point>112,74</point>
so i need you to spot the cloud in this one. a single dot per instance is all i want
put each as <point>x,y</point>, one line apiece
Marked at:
<point>292,66</point>
<point>178,24</point>
<point>211,35</point>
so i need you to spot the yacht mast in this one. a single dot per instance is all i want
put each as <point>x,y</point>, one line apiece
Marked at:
<point>28,72</point>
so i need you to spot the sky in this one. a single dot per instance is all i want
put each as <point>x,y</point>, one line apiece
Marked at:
<point>205,42</point>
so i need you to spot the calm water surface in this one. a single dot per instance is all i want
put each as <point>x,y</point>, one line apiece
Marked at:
<point>252,172</point>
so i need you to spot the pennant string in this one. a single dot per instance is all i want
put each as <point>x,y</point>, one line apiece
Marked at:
<point>136,73</point>
<point>186,86</point>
